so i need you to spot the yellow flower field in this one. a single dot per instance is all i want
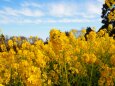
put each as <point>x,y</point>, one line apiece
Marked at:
<point>66,60</point>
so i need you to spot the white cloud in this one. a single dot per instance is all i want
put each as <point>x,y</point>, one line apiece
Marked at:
<point>7,20</point>
<point>91,10</point>
<point>101,1</point>
<point>30,4</point>
<point>94,9</point>
<point>21,12</point>
<point>62,9</point>
<point>10,11</point>
<point>29,21</point>
<point>85,15</point>
<point>74,20</point>
<point>69,13</point>
<point>30,12</point>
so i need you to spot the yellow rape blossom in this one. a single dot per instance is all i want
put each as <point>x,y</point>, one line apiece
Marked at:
<point>64,60</point>
<point>10,43</point>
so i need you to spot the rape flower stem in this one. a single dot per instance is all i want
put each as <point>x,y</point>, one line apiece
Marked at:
<point>90,82</point>
<point>66,73</point>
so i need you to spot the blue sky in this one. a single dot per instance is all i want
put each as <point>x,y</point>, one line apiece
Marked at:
<point>37,17</point>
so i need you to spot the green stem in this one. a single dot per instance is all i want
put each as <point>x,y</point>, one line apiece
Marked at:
<point>66,76</point>
<point>90,83</point>
<point>66,72</point>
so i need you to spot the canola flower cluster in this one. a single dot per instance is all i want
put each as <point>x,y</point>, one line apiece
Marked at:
<point>66,60</point>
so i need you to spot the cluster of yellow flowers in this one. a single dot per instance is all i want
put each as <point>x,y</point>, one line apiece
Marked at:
<point>66,60</point>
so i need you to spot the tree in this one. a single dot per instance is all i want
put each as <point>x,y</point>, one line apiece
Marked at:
<point>2,38</point>
<point>108,16</point>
